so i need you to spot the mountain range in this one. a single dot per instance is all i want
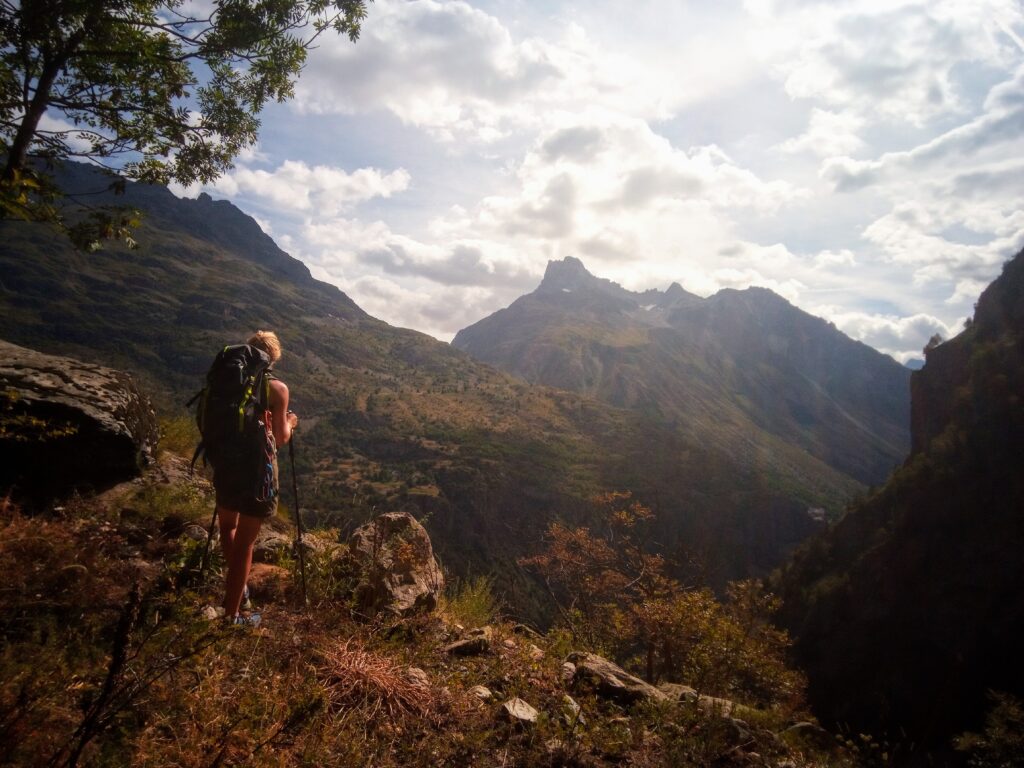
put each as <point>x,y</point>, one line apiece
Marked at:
<point>745,371</point>
<point>395,420</point>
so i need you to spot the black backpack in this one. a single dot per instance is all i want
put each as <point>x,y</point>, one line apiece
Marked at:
<point>231,414</point>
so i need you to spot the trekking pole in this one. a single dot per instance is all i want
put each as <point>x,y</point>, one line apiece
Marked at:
<point>209,538</point>
<point>298,519</point>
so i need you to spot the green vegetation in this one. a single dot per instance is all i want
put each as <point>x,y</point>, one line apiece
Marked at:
<point>160,93</point>
<point>914,597</point>
<point>472,602</point>
<point>616,596</point>
<point>106,659</point>
<point>20,426</point>
<point>1001,744</point>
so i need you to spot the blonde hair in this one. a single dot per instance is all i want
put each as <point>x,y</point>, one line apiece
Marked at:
<point>268,342</point>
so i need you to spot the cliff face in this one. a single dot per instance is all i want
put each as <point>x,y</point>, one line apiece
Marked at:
<point>909,610</point>
<point>999,315</point>
<point>931,406</point>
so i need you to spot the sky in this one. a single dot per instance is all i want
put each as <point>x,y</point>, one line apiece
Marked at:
<point>862,158</point>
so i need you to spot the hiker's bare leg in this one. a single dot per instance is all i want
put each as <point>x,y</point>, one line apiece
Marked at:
<point>228,520</point>
<point>240,561</point>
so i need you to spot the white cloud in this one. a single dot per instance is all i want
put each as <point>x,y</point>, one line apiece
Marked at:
<point>901,337</point>
<point>884,60</point>
<point>296,186</point>
<point>1001,124</point>
<point>75,138</point>
<point>828,134</point>
<point>461,74</point>
<point>860,155</point>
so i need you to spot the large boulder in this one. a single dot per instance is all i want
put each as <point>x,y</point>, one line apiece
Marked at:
<point>67,425</point>
<point>611,681</point>
<point>395,562</point>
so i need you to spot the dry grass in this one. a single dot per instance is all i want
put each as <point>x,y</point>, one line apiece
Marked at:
<point>355,677</point>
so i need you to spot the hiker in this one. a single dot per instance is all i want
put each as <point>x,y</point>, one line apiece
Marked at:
<point>241,510</point>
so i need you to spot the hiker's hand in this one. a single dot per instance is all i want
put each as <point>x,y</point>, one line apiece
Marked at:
<point>293,419</point>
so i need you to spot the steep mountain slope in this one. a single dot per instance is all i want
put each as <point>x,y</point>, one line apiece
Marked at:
<point>742,370</point>
<point>392,419</point>
<point>910,609</point>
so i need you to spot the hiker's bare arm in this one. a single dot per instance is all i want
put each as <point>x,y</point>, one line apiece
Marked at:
<point>282,422</point>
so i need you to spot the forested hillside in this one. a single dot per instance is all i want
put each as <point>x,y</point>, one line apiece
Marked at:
<point>910,610</point>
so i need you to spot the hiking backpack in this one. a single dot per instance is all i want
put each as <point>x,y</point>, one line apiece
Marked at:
<point>233,414</point>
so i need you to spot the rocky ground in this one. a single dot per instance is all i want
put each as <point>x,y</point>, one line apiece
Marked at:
<point>383,667</point>
<point>112,651</point>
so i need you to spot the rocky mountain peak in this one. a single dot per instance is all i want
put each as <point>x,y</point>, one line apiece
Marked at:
<point>675,290</point>
<point>567,273</point>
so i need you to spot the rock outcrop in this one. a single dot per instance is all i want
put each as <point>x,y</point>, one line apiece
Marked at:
<point>477,641</point>
<point>67,425</point>
<point>396,566</point>
<point>610,680</point>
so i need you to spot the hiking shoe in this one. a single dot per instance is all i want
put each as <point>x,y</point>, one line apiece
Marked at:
<point>252,620</point>
<point>246,602</point>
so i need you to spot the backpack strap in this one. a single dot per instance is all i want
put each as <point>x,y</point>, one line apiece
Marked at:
<point>200,451</point>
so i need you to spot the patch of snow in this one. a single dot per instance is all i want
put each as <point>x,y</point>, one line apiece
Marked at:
<point>648,307</point>
<point>567,290</point>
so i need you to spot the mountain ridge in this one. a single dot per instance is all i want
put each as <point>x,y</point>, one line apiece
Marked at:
<point>738,362</point>
<point>391,418</point>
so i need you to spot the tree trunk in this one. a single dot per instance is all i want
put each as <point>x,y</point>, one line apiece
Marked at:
<point>18,154</point>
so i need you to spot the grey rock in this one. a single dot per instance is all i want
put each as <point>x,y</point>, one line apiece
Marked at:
<point>572,712</point>
<point>811,733</point>
<point>195,533</point>
<point>481,692</point>
<point>69,425</point>
<point>738,732</point>
<point>417,676</point>
<point>518,712</point>
<point>524,629</point>
<point>678,692</point>
<point>478,641</point>
<point>568,672</point>
<point>610,680</point>
<point>395,562</point>
<point>270,546</point>
<point>723,707</point>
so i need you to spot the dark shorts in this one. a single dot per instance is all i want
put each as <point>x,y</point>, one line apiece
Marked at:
<point>241,498</point>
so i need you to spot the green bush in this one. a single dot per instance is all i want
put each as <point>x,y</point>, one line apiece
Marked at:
<point>472,602</point>
<point>1001,745</point>
<point>179,435</point>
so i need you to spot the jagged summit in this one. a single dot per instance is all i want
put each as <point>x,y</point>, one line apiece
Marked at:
<point>569,274</point>
<point>676,290</point>
<point>565,270</point>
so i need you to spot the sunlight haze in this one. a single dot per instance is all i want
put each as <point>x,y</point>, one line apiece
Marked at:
<point>862,159</point>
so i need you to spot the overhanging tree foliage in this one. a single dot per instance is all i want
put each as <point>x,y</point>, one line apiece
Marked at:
<point>160,90</point>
